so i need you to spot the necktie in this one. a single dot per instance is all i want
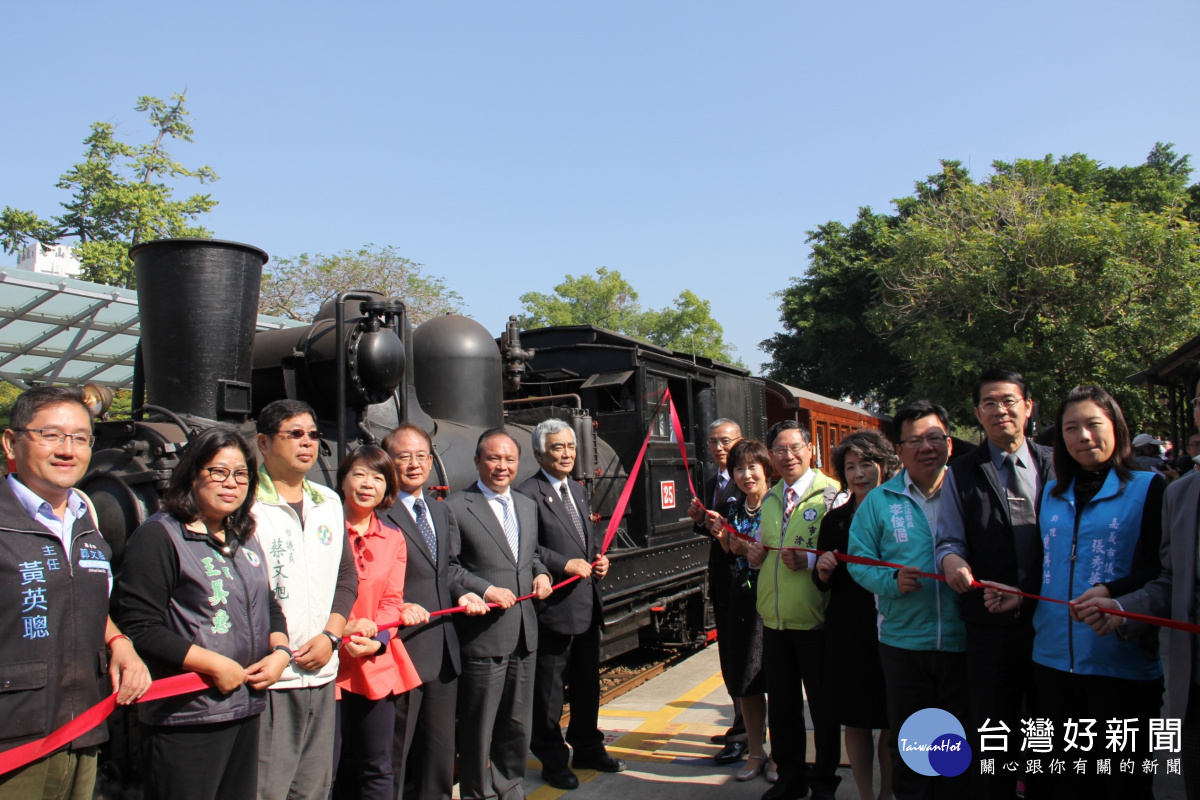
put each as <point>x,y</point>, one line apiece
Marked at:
<point>426,529</point>
<point>1020,498</point>
<point>720,490</point>
<point>790,500</point>
<point>572,513</point>
<point>1022,513</point>
<point>511,532</point>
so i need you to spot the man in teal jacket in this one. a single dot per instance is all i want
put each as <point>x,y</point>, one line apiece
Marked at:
<point>922,641</point>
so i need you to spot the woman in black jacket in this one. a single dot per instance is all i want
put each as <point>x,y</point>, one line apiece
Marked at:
<point>194,596</point>
<point>863,460</point>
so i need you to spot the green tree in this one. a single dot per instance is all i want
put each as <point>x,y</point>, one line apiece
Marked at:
<point>297,287</point>
<point>121,195</point>
<point>1068,271</point>
<point>609,301</point>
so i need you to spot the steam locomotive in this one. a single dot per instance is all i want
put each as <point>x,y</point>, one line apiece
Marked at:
<point>364,369</point>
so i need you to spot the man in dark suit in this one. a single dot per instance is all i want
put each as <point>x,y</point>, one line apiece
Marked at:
<point>988,530</point>
<point>423,753</point>
<point>569,621</point>
<point>499,560</point>
<point>723,434</point>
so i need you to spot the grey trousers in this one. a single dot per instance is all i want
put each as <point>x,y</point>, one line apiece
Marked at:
<point>495,712</point>
<point>295,744</point>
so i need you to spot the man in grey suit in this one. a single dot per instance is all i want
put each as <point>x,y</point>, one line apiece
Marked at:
<point>570,621</point>
<point>423,749</point>
<point>499,560</point>
<point>1172,594</point>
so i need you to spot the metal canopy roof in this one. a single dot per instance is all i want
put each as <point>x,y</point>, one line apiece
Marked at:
<point>61,330</point>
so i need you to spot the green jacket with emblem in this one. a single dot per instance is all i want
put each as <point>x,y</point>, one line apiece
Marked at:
<point>788,599</point>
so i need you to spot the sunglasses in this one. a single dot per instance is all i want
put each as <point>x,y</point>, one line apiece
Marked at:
<point>297,433</point>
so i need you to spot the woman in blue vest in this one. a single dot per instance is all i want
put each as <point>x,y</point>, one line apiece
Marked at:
<point>194,596</point>
<point>1101,524</point>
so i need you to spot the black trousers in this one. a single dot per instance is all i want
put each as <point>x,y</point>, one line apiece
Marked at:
<point>1000,682</point>
<point>792,658</point>
<point>362,747</point>
<point>423,748</point>
<point>918,679</point>
<point>1064,695</point>
<point>203,762</point>
<point>1190,754</point>
<point>566,661</point>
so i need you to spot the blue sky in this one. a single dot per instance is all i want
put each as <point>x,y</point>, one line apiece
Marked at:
<point>689,145</point>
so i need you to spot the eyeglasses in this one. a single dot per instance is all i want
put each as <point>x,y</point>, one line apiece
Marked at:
<point>561,448</point>
<point>313,436</point>
<point>410,458</point>
<point>53,438</point>
<point>221,474</point>
<point>795,450</point>
<point>931,439</point>
<point>726,443</point>
<point>991,406</point>
<point>362,555</point>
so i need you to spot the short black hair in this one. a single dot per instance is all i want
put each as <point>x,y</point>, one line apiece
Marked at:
<point>999,376</point>
<point>280,411</point>
<point>179,500</point>
<point>31,401</point>
<point>787,425</point>
<point>869,445</point>
<point>375,458</point>
<point>488,434</point>
<point>918,409</point>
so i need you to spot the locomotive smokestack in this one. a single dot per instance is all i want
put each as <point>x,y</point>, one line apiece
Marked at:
<point>198,305</point>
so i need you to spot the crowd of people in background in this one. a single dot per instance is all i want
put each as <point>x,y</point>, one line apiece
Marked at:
<point>284,594</point>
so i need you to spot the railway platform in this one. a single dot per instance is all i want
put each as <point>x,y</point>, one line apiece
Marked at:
<point>662,728</point>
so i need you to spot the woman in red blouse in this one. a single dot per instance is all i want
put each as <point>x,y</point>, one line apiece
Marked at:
<point>378,669</point>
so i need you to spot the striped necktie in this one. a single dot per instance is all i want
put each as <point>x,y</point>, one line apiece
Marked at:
<point>511,531</point>
<point>790,500</point>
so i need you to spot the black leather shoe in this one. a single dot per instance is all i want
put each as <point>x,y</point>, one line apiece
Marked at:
<point>731,753</point>
<point>823,794</point>
<point>785,791</point>
<point>601,762</point>
<point>560,778</point>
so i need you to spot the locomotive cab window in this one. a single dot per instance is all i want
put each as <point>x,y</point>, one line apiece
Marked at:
<point>660,428</point>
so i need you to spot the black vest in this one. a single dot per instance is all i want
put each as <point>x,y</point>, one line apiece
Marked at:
<point>221,603</point>
<point>53,663</point>
<point>994,551</point>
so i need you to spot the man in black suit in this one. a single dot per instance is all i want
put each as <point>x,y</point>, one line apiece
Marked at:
<point>988,530</point>
<point>423,753</point>
<point>498,560</point>
<point>569,621</point>
<point>723,434</point>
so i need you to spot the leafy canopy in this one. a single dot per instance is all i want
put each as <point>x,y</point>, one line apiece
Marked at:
<point>609,301</point>
<point>1065,270</point>
<point>297,287</point>
<point>121,195</point>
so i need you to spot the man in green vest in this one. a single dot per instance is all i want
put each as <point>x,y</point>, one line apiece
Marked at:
<point>793,613</point>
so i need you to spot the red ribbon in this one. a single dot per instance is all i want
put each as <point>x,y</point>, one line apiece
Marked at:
<point>872,562</point>
<point>28,753</point>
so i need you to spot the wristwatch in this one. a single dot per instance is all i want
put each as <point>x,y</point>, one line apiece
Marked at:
<point>335,640</point>
<point>291,655</point>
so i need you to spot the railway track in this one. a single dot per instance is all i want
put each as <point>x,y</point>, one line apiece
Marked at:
<point>627,672</point>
